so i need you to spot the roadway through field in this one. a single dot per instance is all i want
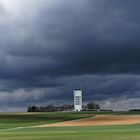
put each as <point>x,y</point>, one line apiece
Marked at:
<point>99,120</point>
<point>16,128</point>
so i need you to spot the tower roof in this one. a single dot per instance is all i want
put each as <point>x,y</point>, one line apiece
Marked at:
<point>77,89</point>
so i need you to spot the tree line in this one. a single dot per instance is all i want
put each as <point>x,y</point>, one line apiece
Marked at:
<point>68,107</point>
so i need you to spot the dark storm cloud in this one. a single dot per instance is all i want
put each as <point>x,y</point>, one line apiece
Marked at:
<point>58,45</point>
<point>86,41</point>
<point>65,40</point>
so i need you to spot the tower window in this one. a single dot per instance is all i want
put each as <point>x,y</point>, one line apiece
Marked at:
<point>77,102</point>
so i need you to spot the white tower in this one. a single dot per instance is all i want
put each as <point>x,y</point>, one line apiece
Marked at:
<point>77,99</point>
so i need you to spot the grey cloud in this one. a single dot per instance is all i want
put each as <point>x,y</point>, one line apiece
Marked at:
<point>60,45</point>
<point>121,104</point>
<point>105,90</point>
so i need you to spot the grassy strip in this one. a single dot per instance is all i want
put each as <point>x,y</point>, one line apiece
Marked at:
<point>131,132</point>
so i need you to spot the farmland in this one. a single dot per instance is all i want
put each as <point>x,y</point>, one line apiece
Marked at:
<point>22,122</point>
<point>12,120</point>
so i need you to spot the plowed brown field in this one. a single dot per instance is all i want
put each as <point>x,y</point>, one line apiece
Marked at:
<point>99,120</point>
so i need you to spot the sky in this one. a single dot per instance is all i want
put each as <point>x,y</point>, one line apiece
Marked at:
<point>50,47</point>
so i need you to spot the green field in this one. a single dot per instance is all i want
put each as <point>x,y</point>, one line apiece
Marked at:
<point>10,121</point>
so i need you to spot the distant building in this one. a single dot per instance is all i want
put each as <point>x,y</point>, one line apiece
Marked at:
<point>77,99</point>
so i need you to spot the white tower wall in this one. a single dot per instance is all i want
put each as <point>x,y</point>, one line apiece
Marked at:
<point>77,99</point>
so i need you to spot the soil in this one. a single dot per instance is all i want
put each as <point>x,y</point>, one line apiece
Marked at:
<point>99,120</point>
